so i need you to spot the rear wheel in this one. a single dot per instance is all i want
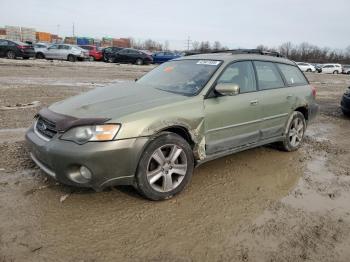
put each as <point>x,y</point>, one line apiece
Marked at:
<point>72,58</point>
<point>295,132</point>
<point>165,167</point>
<point>335,72</point>
<point>309,70</point>
<point>139,61</point>
<point>11,55</point>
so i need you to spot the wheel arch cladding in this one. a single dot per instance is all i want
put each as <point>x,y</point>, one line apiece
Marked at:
<point>304,110</point>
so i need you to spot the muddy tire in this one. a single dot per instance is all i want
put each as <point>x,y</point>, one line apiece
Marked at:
<point>295,132</point>
<point>71,58</point>
<point>165,167</point>
<point>11,55</point>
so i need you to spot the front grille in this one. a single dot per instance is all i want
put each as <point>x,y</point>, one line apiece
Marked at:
<point>45,127</point>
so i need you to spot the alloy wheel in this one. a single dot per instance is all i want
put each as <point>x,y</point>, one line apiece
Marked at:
<point>296,132</point>
<point>166,168</point>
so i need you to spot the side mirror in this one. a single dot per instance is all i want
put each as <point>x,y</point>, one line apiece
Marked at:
<point>227,89</point>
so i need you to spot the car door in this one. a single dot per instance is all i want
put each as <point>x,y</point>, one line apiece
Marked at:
<point>52,52</point>
<point>328,69</point>
<point>233,121</point>
<point>121,56</point>
<point>274,98</point>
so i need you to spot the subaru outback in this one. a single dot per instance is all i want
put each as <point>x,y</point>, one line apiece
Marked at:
<point>151,133</point>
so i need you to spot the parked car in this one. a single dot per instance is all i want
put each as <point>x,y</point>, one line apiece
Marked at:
<point>161,57</point>
<point>332,69</point>
<point>95,53</point>
<point>152,133</point>
<point>66,52</point>
<point>306,67</point>
<point>346,69</point>
<point>133,56</point>
<point>109,51</point>
<point>40,49</point>
<point>14,49</point>
<point>345,102</point>
<point>318,68</point>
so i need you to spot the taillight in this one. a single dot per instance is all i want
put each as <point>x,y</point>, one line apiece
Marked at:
<point>313,89</point>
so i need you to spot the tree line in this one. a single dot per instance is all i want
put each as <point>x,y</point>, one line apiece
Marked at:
<point>303,52</point>
<point>306,52</point>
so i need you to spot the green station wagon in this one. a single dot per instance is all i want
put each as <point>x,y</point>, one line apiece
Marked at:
<point>151,133</point>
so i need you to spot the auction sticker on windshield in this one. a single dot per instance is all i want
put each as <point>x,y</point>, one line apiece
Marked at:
<point>208,62</point>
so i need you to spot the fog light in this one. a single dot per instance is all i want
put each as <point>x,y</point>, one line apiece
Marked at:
<point>85,172</point>
<point>80,174</point>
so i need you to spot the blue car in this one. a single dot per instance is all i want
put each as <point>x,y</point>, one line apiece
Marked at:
<point>161,57</point>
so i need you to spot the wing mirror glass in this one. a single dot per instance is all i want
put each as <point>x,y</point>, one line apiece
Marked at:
<point>227,89</point>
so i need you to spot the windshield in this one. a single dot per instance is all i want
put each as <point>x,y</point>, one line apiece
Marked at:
<point>185,77</point>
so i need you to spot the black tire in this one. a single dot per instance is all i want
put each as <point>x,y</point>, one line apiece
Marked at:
<point>71,58</point>
<point>348,73</point>
<point>139,61</point>
<point>163,140</point>
<point>346,113</point>
<point>25,58</point>
<point>11,54</point>
<point>40,56</point>
<point>309,70</point>
<point>335,72</point>
<point>287,144</point>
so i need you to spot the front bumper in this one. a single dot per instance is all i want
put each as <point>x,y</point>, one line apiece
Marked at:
<point>111,163</point>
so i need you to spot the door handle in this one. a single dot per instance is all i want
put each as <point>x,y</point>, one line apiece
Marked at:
<point>254,102</point>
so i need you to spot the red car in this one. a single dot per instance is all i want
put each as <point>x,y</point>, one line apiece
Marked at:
<point>94,52</point>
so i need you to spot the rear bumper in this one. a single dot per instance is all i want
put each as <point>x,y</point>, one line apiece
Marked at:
<point>313,111</point>
<point>111,163</point>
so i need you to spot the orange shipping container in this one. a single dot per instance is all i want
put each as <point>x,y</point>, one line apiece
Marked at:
<point>43,37</point>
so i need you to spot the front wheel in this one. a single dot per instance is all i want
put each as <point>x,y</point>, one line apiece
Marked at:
<point>139,61</point>
<point>295,131</point>
<point>309,70</point>
<point>72,58</point>
<point>335,72</point>
<point>165,167</point>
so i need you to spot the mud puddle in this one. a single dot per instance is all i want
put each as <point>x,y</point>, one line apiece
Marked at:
<point>121,225</point>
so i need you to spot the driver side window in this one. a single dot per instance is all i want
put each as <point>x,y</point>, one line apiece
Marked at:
<point>241,74</point>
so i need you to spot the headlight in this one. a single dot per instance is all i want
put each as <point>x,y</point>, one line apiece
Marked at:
<point>83,134</point>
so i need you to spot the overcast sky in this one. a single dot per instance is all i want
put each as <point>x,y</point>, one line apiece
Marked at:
<point>234,23</point>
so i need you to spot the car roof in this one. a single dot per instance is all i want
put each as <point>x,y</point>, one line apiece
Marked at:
<point>230,57</point>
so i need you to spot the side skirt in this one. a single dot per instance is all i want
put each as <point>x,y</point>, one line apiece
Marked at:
<point>239,149</point>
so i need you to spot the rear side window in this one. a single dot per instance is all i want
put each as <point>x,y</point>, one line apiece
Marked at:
<point>292,75</point>
<point>268,75</point>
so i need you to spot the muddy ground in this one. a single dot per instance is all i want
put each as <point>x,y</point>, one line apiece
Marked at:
<point>258,205</point>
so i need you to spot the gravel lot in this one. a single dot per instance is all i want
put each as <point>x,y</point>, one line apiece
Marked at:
<point>258,205</point>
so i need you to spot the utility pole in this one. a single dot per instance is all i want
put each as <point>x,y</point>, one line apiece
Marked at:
<point>188,43</point>
<point>58,29</point>
<point>73,30</point>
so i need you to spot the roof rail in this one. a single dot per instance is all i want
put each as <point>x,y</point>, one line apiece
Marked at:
<point>249,51</point>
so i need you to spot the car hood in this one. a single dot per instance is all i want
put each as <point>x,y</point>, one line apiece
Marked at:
<point>115,101</point>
